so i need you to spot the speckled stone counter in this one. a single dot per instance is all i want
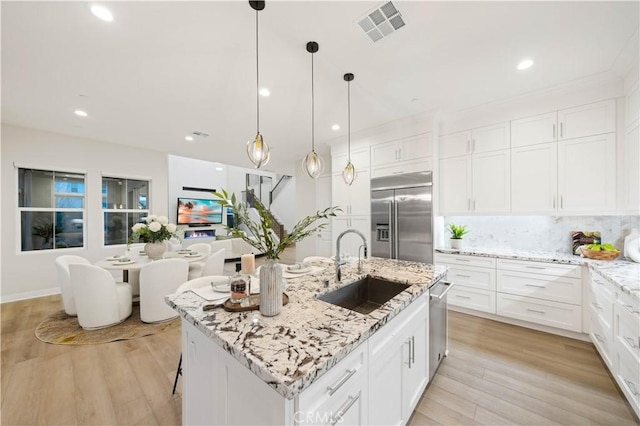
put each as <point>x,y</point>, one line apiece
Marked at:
<point>620,272</point>
<point>291,350</point>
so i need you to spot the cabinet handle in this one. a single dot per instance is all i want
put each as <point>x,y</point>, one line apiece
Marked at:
<point>537,312</point>
<point>561,132</point>
<point>554,202</point>
<point>398,173</point>
<point>631,342</point>
<point>474,205</point>
<point>408,342</point>
<point>346,376</point>
<point>463,275</point>
<point>632,387</point>
<point>554,130</point>
<point>561,202</point>
<point>535,267</point>
<point>629,307</point>
<point>536,286</point>
<point>343,410</point>
<point>462,297</point>
<point>413,349</point>
<point>463,260</point>
<point>473,145</point>
<point>597,306</point>
<point>468,145</point>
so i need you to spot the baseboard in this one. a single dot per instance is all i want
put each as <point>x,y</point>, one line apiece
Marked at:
<point>525,324</point>
<point>30,295</point>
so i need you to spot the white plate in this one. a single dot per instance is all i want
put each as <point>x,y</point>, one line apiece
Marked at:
<point>185,251</point>
<point>191,254</point>
<point>222,288</point>
<point>129,262</point>
<point>299,271</point>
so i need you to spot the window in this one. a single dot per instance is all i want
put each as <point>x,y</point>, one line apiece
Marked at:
<point>51,206</point>
<point>125,202</point>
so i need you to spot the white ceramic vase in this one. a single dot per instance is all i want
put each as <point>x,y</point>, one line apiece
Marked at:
<point>155,250</point>
<point>456,244</point>
<point>271,288</point>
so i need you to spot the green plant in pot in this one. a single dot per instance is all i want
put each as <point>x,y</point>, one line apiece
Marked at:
<point>457,232</point>
<point>260,235</point>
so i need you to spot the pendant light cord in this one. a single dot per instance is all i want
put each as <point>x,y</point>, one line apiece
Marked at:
<point>349,118</point>
<point>313,130</point>
<point>257,79</point>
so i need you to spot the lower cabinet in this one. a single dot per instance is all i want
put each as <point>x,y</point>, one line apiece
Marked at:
<point>398,365</point>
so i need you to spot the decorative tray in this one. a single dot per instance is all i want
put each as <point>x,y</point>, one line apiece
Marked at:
<point>254,304</point>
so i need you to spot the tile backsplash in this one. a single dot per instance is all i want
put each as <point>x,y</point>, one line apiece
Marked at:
<point>545,233</point>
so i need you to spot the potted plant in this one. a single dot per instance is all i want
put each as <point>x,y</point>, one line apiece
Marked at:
<point>456,235</point>
<point>262,237</point>
<point>154,232</point>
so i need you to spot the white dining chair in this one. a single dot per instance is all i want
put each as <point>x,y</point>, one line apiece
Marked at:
<point>173,244</point>
<point>195,268</point>
<point>100,301</point>
<point>158,279</point>
<point>214,265</point>
<point>64,280</point>
<point>133,251</point>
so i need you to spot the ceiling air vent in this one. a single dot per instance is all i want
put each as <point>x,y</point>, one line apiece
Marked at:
<point>201,134</point>
<point>381,22</point>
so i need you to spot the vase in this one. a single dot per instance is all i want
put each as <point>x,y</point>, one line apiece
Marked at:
<point>271,288</point>
<point>155,250</point>
<point>456,244</point>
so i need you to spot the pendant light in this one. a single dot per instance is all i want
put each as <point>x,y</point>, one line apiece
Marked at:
<point>349,172</point>
<point>313,163</point>
<point>258,149</point>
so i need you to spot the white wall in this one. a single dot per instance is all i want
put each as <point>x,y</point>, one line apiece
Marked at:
<point>34,274</point>
<point>305,205</point>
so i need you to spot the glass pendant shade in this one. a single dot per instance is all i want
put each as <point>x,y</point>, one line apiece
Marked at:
<point>349,174</point>
<point>258,151</point>
<point>313,164</point>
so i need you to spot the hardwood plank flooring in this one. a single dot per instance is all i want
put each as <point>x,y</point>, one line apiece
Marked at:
<point>495,374</point>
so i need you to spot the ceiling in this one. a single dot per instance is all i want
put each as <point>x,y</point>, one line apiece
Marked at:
<point>162,70</point>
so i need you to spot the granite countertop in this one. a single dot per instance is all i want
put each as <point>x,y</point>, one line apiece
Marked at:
<point>291,350</point>
<point>622,273</point>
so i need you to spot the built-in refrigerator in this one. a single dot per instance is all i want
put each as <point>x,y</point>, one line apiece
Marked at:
<point>402,217</point>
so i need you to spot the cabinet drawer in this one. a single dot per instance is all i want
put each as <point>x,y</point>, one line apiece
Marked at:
<point>628,377</point>
<point>458,259</point>
<point>604,287</point>
<point>555,269</point>
<point>553,314</point>
<point>472,298</point>
<point>627,330</point>
<point>468,276</point>
<point>601,304</point>
<point>349,370</point>
<point>601,336</point>
<point>399,168</point>
<point>556,289</point>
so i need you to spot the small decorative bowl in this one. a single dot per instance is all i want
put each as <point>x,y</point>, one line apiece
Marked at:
<point>600,255</point>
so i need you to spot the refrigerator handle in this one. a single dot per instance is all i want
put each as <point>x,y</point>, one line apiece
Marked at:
<point>395,230</point>
<point>392,237</point>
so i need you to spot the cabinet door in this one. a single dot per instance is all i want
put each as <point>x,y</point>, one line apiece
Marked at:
<point>359,158</point>
<point>455,184</point>
<point>416,372</point>
<point>587,174</point>
<point>491,182</point>
<point>533,130</point>
<point>534,178</point>
<point>490,138</point>
<point>419,146</point>
<point>360,194</point>
<point>385,153</point>
<point>455,144</point>
<point>339,194</point>
<point>385,384</point>
<point>633,168</point>
<point>587,120</point>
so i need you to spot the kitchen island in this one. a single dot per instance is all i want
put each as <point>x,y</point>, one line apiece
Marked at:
<point>310,364</point>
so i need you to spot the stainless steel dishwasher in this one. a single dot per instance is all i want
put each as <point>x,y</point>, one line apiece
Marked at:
<point>437,324</point>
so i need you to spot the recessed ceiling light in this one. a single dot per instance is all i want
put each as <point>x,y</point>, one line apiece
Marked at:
<point>264,92</point>
<point>80,113</point>
<point>526,63</point>
<point>219,169</point>
<point>102,12</point>
<point>188,138</point>
<point>335,127</point>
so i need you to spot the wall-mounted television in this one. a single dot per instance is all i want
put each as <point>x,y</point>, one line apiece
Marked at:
<point>198,211</point>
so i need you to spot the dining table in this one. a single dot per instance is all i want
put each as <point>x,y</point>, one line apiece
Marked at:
<point>127,264</point>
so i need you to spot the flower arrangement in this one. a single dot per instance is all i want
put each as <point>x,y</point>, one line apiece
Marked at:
<point>457,231</point>
<point>262,236</point>
<point>156,228</point>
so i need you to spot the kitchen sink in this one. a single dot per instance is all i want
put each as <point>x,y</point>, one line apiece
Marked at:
<point>365,295</point>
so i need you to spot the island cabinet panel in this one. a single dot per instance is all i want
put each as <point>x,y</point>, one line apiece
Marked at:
<point>398,365</point>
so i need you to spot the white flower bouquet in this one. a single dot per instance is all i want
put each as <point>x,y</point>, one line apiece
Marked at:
<point>156,228</point>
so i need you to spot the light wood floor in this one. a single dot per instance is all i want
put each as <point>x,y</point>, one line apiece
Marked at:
<point>495,374</point>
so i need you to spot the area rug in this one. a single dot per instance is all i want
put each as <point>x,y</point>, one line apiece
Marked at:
<point>61,329</point>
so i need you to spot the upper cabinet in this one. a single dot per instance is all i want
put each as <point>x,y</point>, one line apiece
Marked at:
<point>475,141</point>
<point>359,158</point>
<point>413,154</point>
<point>455,144</point>
<point>584,120</point>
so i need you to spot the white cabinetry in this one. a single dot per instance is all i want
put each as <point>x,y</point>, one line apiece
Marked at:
<point>413,154</point>
<point>491,182</point>
<point>544,293</point>
<point>632,159</point>
<point>585,120</point>
<point>474,279</point>
<point>398,369</point>
<point>359,158</point>
<point>534,178</point>
<point>534,130</point>
<point>482,139</point>
<point>455,184</point>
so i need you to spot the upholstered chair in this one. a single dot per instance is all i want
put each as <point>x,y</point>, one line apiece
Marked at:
<point>64,280</point>
<point>214,265</point>
<point>100,301</point>
<point>158,279</point>
<point>195,268</point>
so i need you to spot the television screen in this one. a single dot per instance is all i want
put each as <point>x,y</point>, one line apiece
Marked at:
<point>197,211</point>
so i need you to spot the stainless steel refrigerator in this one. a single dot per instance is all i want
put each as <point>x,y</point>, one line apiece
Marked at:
<point>402,217</point>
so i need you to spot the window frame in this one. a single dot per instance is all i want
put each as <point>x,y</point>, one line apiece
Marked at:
<point>103,210</point>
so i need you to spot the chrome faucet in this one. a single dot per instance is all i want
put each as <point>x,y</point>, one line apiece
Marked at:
<point>364,240</point>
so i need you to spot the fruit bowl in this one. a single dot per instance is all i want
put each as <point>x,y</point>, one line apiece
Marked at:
<point>600,255</point>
